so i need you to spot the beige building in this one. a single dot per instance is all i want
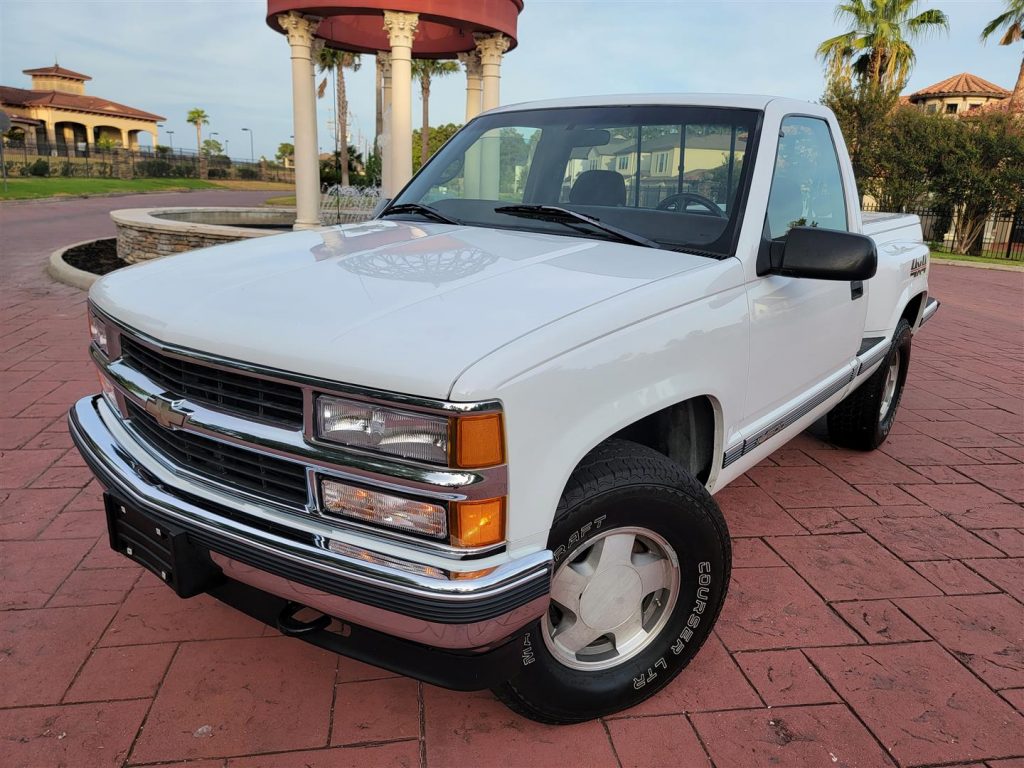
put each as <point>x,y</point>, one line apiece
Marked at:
<point>957,94</point>
<point>57,116</point>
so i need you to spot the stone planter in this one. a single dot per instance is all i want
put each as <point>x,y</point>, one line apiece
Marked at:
<point>149,233</point>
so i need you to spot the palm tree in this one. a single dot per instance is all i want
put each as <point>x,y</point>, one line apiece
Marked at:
<point>198,118</point>
<point>1011,22</point>
<point>876,47</point>
<point>331,59</point>
<point>425,70</point>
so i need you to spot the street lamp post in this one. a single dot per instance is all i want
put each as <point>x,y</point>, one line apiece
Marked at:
<point>170,136</point>
<point>252,154</point>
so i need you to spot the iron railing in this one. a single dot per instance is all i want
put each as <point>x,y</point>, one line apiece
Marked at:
<point>1002,236</point>
<point>88,160</point>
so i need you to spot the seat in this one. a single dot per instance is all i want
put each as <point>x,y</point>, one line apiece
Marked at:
<point>599,188</point>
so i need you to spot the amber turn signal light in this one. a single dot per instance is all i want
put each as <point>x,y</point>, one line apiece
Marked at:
<point>477,523</point>
<point>479,441</point>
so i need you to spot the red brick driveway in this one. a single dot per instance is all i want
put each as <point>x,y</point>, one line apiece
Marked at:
<point>875,616</point>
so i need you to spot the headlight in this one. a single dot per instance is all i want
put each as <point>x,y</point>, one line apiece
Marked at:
<point>387,430</point>
<point>383,509</point>
<point>465,524</point>
<point>468,441</point>
<point>98,332</point>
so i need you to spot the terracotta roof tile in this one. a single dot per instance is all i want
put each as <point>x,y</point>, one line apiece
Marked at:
<point>964,84</point>
<point>21,97</point>
<point>57,71</point>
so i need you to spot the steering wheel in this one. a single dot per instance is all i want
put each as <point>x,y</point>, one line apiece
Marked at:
<point>680,201</point>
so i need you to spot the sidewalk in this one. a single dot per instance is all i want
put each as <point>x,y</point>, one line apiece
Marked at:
<point>875,616</point>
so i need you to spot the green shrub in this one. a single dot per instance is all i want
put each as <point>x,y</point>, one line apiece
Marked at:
<point>39,168</point>
<point>154,169</point>
<point>217,173</point>
<point>248,174</point>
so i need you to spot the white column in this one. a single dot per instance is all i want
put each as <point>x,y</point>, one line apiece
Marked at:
<point>471,61</point>
<point>471,164</point>
<point>401,29</point>
<point>490,48</point>
<point>299,30</point>
<point>385,137</point>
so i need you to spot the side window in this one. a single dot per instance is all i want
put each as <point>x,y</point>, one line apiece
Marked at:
<point>807,187</point>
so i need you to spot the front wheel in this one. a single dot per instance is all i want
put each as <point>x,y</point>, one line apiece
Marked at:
<point>864,419</point>
<point>642,563</point>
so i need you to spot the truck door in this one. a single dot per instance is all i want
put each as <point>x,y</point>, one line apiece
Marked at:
<point>804,333</point>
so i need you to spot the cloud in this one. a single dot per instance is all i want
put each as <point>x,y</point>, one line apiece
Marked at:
<point>221,56</point>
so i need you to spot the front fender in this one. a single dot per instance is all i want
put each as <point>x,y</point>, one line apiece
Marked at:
<point>559,409</point>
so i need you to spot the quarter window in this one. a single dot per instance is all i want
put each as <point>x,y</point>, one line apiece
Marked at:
<point>807,187</point>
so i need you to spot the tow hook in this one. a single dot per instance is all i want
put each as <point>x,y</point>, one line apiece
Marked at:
<point>293,627</point>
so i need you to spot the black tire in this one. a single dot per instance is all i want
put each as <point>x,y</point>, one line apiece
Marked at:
<point>858,422</point>
<point>620,484</point>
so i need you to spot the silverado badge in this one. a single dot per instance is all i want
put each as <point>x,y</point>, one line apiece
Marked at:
<point>166,412</point>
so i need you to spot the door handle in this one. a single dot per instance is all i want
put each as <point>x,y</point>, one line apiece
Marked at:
<point>856,289</point>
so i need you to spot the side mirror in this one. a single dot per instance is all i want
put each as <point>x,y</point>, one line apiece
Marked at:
<point>824,254</point>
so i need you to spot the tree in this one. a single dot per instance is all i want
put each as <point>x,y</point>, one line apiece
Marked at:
<point>904,156</point>
<point>333,60</point>
<point>106,143</point>
<point>861,109</point>
<point>425,70</point>
<point>212,147</point>
<point>1011,22</point>
<point>356,173</point>
<point>981,172</point>
<point>285,151</point>
<point>198,118</point>
<point>436,137</point>
<point>876,48</point>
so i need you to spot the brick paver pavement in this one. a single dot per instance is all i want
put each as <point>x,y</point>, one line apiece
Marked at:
<point>875,615</point>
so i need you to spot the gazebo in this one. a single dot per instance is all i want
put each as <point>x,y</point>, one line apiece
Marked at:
<point>476,32</point>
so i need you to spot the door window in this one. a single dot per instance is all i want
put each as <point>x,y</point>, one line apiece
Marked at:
<point>807,187</point>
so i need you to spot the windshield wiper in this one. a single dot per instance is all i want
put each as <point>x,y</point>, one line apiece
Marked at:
<point>420,208</point>
<point>569,217</point>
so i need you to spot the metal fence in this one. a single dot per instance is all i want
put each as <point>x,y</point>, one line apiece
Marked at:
<point>88,160</point>
<point>1002,236</point>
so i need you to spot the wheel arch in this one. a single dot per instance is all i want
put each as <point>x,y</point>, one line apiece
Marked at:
<point>687,433</point>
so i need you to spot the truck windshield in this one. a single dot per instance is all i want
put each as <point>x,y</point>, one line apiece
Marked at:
<point>674,176</point>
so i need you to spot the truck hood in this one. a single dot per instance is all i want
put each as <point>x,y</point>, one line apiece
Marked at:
<point>398,306</point>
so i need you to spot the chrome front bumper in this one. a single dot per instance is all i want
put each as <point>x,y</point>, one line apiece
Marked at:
<point>467,613</point>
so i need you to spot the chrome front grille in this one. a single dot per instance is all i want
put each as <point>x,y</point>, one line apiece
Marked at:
<point>266,476</point>
<point>226,390</point>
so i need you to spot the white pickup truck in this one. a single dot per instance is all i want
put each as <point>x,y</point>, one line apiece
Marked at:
<point>476,440</point>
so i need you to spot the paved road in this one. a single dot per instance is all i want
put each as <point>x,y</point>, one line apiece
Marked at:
<point>875,614</point>
<point>43,226</point>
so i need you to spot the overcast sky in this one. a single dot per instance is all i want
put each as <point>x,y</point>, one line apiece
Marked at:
<point>167,57</point>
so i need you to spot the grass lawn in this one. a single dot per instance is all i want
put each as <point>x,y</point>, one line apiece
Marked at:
<point>25,188</point>
<point>256,186</point>
<point>943,256</point>
<point>288,200</point>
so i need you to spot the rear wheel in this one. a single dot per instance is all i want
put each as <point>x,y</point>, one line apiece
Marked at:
<point>864,419</point>
<point>642,561</point>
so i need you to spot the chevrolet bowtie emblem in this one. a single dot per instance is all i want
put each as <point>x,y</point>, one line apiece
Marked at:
<point>166,412</point>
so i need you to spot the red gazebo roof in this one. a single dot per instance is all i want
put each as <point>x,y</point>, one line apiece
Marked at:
<point>446,27</point>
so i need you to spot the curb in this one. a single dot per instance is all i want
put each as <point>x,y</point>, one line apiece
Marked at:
<point>980,265</point>
<point>63,272</point>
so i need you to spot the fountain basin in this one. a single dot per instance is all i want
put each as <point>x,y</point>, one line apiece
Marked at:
<point>148,233</point>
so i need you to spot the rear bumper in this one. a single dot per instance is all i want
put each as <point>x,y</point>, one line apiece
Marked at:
<point>440,613</point>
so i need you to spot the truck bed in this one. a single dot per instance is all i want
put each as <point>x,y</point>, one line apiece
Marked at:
<point>892,227</point>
